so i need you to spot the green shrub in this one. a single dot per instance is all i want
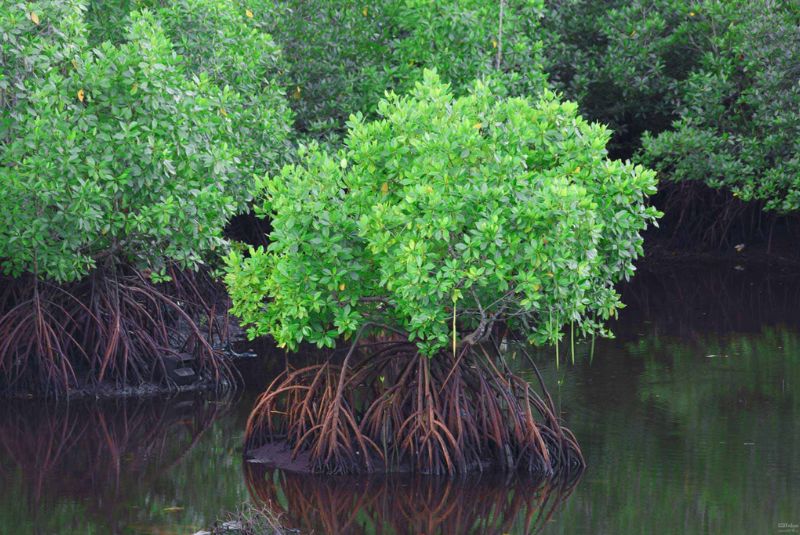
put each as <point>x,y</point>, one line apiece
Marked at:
<point>220,38</point>
<point>121,164</point>
<point>473,209</point>
<point>337,56</point>
<point>120,154</point>
<point>36,38</point>
<point>223,40</point>
<point>739,111</point>
<point>343,56</point>
<point>469,39</point>
<point>704,92</point>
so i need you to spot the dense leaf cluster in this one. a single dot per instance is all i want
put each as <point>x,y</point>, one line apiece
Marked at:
<point>739,112</point>
<point>442,217</point>
<point>129,152</point>
<point>713,86</point>
<point>343,56</point>
<point>225,41</point>
<point>621,60</point>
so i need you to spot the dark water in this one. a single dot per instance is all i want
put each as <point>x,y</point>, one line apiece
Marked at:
<point>689,421</point>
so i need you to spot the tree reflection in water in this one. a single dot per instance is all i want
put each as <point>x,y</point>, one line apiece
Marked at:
<point>95,452</point>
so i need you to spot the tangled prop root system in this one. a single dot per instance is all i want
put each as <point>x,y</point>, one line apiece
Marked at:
<point>398,410</point>
<point>114,326</point>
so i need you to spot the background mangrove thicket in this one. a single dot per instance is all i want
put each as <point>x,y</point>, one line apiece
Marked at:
<point>132,131</point>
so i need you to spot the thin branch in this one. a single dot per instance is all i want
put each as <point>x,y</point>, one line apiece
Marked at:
<point>500,36</point>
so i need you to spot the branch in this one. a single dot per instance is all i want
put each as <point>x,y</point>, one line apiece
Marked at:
<point>500,37</point>
<point>482,332</point>
<point>374,299</point>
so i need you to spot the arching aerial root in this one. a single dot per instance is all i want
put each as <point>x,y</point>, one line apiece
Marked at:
<point>398,410</point>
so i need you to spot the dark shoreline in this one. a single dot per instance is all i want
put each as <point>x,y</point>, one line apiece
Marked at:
<point>110,392</point>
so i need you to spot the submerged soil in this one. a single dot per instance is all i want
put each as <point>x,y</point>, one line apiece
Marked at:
<point>279,455</point>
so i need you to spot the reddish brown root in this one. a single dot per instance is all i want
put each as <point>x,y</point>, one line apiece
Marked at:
<point>486,504</point>
<point>397,410</point>
<point>114,326</point>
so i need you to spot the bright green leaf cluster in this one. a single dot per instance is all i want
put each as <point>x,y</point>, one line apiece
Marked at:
<point>480,207</point>
<point>124,152</point>
<point>221,39</point>
<point>225,41</point>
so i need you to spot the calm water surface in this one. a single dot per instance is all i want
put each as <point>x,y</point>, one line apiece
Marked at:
<point>689,421</point>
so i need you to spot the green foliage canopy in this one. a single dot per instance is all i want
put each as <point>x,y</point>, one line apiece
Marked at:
<point>621,60</point>
<point>225,41</point>
<point>221,39</point>
<point>119,153</point>
<point>466,210</point>
<point>708,89</point>
<point>343,56</point>
<point>739,122</point>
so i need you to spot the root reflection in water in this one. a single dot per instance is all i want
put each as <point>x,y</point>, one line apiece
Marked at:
<point>406,503</point>
<point>100,454</point>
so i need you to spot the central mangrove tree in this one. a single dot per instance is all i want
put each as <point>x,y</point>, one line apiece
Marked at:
<point>435,225</point>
